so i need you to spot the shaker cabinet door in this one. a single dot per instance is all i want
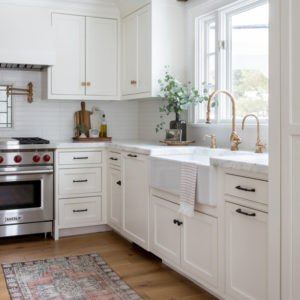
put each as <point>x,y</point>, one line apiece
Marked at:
<point>246,253</point>
<point>101,57</point>
<point>68,74</point>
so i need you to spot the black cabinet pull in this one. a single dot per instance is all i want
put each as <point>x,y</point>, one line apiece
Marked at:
<point>245,189</point>
<point>85,157</point>
<point>113,158</point>
<point>79,181</point>
<point>119,182</point>
<point>80,210</point>
<point>132,155</point>
<point>179,223</point>
<point>239,211</point>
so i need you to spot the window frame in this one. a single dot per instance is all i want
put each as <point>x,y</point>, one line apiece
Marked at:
<point>223,72</point>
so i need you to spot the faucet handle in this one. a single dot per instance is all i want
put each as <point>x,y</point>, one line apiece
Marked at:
<point>213,143</point>
<point>260,147</point>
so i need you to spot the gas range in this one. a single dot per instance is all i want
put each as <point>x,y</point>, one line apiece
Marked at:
<point>26,186</point>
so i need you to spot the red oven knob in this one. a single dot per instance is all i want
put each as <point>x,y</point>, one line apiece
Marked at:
<point>36,158</point>
<point>1,159</point>
<point>47,158</point>
<point>18,158</point>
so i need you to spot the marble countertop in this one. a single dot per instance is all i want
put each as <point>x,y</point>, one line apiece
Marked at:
<point>241,160</point>
<point>252,162</point>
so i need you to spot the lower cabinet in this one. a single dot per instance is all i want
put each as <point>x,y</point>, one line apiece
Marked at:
<point>164,233</point>
<point>245,253</point>
<point>79,212</point>
<point>190,243</point>
<point>114,195</point>
<point>199,255</point>
<point>135,198</point>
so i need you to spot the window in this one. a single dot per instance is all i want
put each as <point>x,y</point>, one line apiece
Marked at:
<point>232,54</point>
<point>5,108</point>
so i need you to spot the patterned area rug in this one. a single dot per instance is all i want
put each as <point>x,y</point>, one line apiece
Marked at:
<point>83,277</point>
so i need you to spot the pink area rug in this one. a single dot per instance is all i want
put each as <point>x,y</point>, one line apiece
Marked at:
<point>82,277</point>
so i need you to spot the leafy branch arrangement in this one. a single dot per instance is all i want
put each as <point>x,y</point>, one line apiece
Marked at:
<point>82,128</point>
<point>177,97</point>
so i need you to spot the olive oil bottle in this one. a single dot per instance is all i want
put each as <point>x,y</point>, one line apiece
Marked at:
<point>103,128</point>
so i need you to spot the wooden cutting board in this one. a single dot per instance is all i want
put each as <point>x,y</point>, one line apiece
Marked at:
<point>83,117</point>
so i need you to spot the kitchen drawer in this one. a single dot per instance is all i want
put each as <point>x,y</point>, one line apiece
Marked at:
<point>80,157</point>
<point>79,212</point>
<point>247,188</point>
<point>114,158</point>
<point>79,181</point>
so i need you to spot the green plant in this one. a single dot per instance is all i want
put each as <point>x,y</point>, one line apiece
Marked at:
<point>177,97</point>
<point>81,128</point>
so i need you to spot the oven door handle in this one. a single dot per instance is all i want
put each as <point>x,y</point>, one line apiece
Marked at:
<point>29,172</point>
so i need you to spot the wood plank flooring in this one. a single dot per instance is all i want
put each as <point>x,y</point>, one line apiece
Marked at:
<point>141,270</point>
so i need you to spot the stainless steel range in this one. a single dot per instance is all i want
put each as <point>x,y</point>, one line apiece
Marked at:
<point>26,186</point>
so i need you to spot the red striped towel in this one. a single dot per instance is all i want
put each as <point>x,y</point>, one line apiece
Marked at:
<point>188,181</point>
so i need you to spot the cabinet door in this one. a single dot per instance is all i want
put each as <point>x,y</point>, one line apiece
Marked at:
<point>101,57</point>
<point>114,198</point>
<point>164,234</point>
<point>129,47</point>
<point>137,52</point>
<point>136,198</point>
<point>68,74</point>
<point>144,50</point>
<point>200,247</point>
<point>246,253</point>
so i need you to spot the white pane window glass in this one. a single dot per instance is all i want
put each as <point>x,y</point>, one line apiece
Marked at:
<point>249,61</point>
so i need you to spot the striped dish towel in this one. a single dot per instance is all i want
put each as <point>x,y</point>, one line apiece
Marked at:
<point>188,181</point>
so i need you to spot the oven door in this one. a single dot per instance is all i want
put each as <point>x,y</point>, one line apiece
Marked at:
<point>26,195</point>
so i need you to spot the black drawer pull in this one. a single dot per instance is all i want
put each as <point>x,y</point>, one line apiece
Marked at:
<point>85,157</point>
<point>113,158</point>
<point>179,223</point>
<point>245,189</point>
<point>132,155</point>
<point>80,210</point>
<point>239,211</point>
<point>119,182</point>
<point>79,181</point>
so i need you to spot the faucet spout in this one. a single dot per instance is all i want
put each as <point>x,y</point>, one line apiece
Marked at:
<point>259,145</point>
<point>235,140</point>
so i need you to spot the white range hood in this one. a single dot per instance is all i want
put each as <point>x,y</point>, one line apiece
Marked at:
<point>26,37</point>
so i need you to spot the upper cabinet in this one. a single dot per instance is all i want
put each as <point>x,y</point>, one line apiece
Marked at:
<point>152,37</point>
<point>136,41</point>
<point>86,58</point>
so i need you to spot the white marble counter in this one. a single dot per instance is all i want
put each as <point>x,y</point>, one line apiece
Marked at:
<point>258,163</point>
<point>240,160</point>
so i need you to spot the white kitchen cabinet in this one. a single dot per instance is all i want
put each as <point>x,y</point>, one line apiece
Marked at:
<point>79,181</point>
<point>114,195</point>
<point>189,243</point>
<point>80,198</point>
<point>245,253</point>
<point>69,71</point>
<point>153,37</point>
<point>137,52</point>
<point>87,58</point>
<point>101,57</point>
<point>135,198</point>
<point>199,254</point>
<point>80,212</point>
<point>164,232</point>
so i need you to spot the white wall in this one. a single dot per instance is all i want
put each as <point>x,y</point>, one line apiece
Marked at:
<point>54,120</point>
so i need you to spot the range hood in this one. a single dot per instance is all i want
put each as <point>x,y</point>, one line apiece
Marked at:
<point>26,37</point>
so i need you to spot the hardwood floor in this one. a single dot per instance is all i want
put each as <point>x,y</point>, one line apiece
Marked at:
<point>142,271</point>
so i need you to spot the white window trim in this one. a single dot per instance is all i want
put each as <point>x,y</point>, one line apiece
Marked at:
<point>222,34</point>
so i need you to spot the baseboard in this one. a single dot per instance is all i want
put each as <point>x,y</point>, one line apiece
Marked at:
<point>83,230</point>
